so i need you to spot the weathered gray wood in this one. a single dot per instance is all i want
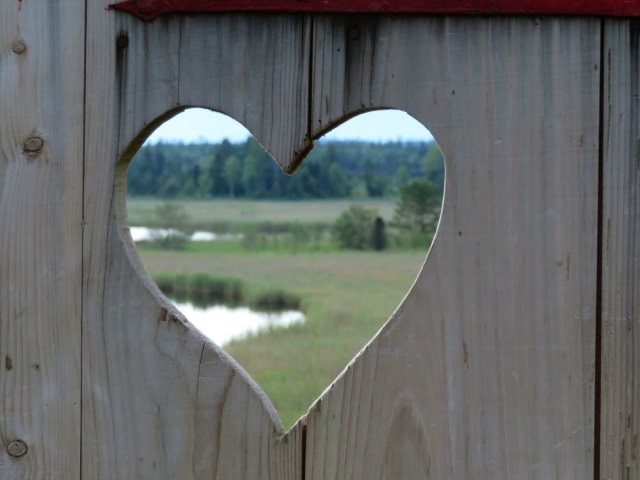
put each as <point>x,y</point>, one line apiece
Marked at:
<point>254,68</point>
<point>620,387</point>
<point>41,109</point>
<point>213,62</point>
<point>486,370</point>
<point>159,400</point>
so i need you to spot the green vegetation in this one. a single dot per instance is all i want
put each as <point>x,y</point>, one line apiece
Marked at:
<point>356,229</point>
<point>200,288</point>
<point>174,224</point>
<point>346,297</point>
<point>362,249</point>
<point>304,226</point>
<point>379,239</point>
<point>224,215</point>
<point>417,212</point>
<point>203,289</point>
<point>347,169</point>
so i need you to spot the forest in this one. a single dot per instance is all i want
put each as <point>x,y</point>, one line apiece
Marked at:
<point>333,169</point>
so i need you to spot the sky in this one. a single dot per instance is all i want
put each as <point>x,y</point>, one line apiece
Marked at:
<point>198,125</point>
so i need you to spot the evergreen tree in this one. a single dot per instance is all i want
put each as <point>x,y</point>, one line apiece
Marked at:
<point>416,213</point>
<point>378,235</point>
<point>232,174</point>
<point>433,167</point>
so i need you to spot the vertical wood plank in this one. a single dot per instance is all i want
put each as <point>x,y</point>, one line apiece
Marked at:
<point>159,400</point>
<point>490,357</point>
<point>620,356</point>
<point>41,97</point>
<point>254,68</point>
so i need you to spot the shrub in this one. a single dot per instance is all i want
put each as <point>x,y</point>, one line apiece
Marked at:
<point>416,214</point>
<point>352,229</point>
<point>275,300</point>
<point>173,221</point>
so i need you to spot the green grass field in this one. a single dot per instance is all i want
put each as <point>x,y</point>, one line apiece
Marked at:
<point>346,296</point>
<point>243,212</point>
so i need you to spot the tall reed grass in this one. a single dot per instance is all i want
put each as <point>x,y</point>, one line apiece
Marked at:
<point>203,290</point>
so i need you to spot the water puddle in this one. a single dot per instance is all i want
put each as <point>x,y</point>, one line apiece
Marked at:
<point>222,323</point>
<point>145,234</point>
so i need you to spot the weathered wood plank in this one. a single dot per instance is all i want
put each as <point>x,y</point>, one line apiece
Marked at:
<point>490,357</point>
<point>254,68</point>
<point>159,400</point>
<point>620,331</point>
<point>192,62</point>
<point>41,105</point>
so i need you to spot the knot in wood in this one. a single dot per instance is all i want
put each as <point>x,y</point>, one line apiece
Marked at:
<point>33,145</point>
<point>19,47</point>
<point>122,42</point>
<point>354,33</point>
<point>17,448</point>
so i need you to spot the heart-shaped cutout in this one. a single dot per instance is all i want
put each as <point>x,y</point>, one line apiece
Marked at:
<point>335,267</point>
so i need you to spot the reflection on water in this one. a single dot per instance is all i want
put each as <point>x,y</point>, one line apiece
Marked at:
<point>223,324</point>
<point>141,234</point>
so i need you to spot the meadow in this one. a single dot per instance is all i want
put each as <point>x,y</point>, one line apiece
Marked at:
<point>205,214</point>
<point>346,295</point>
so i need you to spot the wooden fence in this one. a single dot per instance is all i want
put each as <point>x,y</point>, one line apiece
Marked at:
<point>516,354</point>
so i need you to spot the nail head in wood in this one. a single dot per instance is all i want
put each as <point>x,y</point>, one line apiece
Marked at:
<point>33,145</point>
<point>19,47</point>
<point>17,448</point>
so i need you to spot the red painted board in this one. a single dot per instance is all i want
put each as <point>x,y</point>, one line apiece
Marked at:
<point>151,9</point>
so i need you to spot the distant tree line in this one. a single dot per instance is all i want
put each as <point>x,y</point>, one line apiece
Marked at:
<point>333,169</point>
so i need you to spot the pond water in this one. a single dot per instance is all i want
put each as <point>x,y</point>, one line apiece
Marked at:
<point>222,323</point>
<point>141,234</point>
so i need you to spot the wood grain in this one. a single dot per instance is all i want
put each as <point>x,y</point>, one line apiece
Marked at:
<point>41,108</point>
<point>254,68</point>
<point>190,62</point>
<point>486,370</point>
<point>491,355</point>
<point>160,400</point>
<point>620,330</point>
